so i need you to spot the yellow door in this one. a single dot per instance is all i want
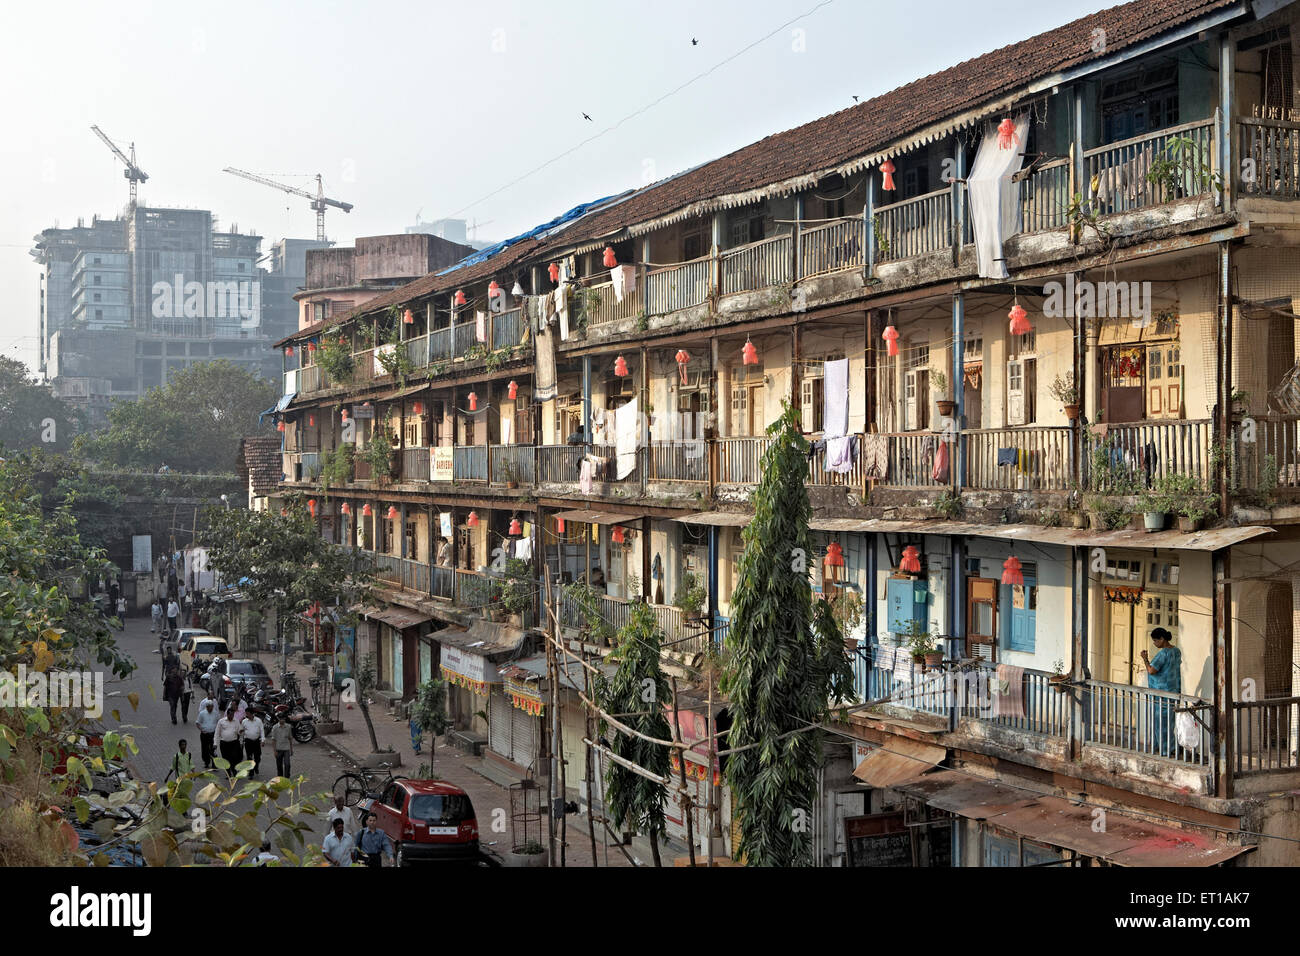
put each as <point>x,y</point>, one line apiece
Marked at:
<point>1120,629</point>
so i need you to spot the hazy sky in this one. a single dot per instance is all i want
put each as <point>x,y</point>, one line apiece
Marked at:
<point>410,107</point>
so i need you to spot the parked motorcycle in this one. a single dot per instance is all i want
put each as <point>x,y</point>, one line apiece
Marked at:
<point>276,706</point>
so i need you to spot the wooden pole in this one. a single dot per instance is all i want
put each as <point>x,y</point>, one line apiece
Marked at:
<point>685,800</point>
<point>551,675</point>
<point>589,724</point>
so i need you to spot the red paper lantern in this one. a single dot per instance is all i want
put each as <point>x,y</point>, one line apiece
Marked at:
<point>279,426</point>
<point>620,367</point>
<point>392,513</point>
<point>494,290</point>
<point>1019,321</point>
<point>683,357</point>
<point>890,335</point>
<point>911,562</point>
<point>834,555</point>
<point>342,340</point>
<point>417,408</point>
<point>473,401</point>
<point>345,414</point>
<point>749,354</point>
<point>311,346</point>
<point>311,506</point>
<point>1007,134</point>
<point>1011,573</point>
<point>554,270</point>
<point>311,421</point>
<point>515,527</point>
<point>288,351</point>
<point>284,512</point>
<point>472,520</point>
<point>367,511</point>
<point>610,259</point>
<point>345,509</point>
<point>887,167</point>
<point>617,535</point>
<point>408,317</point>
<point>460,297</point>
<point>559,525</point>
<point>512,390</point>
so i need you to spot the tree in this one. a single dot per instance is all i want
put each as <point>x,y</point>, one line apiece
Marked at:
<point>785,663</point>
<point>193,423</point>
<point>30,415</point>
<point>637,693</point>
<point>367,681</point>
<point>429,711</point>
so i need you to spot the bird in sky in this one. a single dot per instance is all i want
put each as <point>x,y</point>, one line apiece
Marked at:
<point>855,99</point>
<point>694,42</point>
<point>587,118</point>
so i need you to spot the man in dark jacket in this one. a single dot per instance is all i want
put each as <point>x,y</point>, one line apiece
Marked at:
<point>173,689</point>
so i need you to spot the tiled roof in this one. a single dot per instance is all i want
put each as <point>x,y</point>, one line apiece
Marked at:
<point>260,458</point>
<point>840,138</point>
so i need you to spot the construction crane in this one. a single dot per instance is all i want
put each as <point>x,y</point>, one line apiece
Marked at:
<point>319,201</point>
<point>132,172</point>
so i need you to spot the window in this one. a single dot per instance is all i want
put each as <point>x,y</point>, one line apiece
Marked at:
<point>1020,610</point>
<point>99,313</point>
<point>973,349</point>
<point>97,280</point>
<point>97,260</point>
<point>98,297</point>
<point>691,246</point>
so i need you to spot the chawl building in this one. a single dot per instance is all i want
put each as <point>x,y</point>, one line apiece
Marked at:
<point>1029,307</point>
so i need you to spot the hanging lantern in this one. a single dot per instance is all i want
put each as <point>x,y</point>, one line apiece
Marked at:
<point>620,367</point>
<point>554,270</point>
<point>559,525</point>
<point>911,562</point>
<point>311,421</point>
<point>345,414</point>
<point>494,290</point>
<point>311,346</point>
<point>311,506</point>
<point>611,260</point>
<point>460,297</point>
<point>367,511</point>
<point>887,168</point>
<point>517,290</point>
<point>515,527</point>
<point>617,535</point>
<point>345,509</point>
<point>1007,134</point>
<point>512,390</point>
<point>682,357</point>
<point>749,354</point>
<point>417,407</point>
<point>279,426</point>
<point>288,351</point>
<point>473,401</point>
<point>1011,573</point>
<point>342,340</point>
<point>890,335</point>
<point>284,512</point>
<point>408,317</point>
<point>1019,320</point>
<point>472,520</point>
<point>392,513</point>
<point>834,555</point>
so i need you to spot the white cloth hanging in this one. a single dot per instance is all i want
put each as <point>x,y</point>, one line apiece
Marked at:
<point>624,279</point>
<point>524,549</point>
<point>562,309</point>
<point>584,476</point>
<point>626,422</point>
<point>480,326</point>
<point>835,398</point>
<point>994,198</point>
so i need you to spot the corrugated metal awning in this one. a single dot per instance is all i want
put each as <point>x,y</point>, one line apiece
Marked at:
<point>1055,821</point>
<point>484,638</point>
<point>597,517</point>
<point>398,617</point>
<point>721,519</point>
<point>897,762</point>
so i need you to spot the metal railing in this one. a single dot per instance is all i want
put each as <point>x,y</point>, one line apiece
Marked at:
<point>1045,197</point>
<point>465,337</point>
<point>1141,720</point>
<point>512,463</point>
<point>415,463</point>
<point>678,461</point>
<point>1266,735</point>
<point>739,459</point>
<point>559,463</point>
<point>470,463</point>
<point>1036,458</point>
<point>914,227</point>
<point>1269,150</point>
<point>1144,171</point>
<point>1138,453</point>
<point>758,265</point>
<point>1017,697</point>
<point>832,247</point>
<point>818,475</point>
<point>443,582</point>
<point>508,328</point>
<point>678,287</point>
<point>312,378</point>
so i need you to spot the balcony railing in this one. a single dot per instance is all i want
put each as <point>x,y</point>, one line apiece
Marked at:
<point>678,287</point>
<point>291,381</point>
<point>1148,170</point>
<point>601,305</point>
<point>443,582</point>
<point>1045,197</point>
<point>474,590</point>
<point>739,458</point>
<point>364,366</point>
<point>470,463</point>
<point>818,475</point>
<point>417,350</point>
<point>911,460</point>
<point>987,692</point>
<point>512,463</point>
<point>610,454</point>
<point>508,328</point>
<point>914,227</point>
<point>465,337</point>
<point>678,461</point>
<point>1272,459</point>
<point>758,265</point>
<point>1140,720</point>
<point>1138,453</point>
<point>560,463</point>
<point>312,378</point>
<point>1018,459</point>
<point>1266,735</point>
<point>416,464</point>
<point>832,247</point>
<point>1270,158</point>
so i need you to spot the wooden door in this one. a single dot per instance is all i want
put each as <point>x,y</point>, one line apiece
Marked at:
<point>1123,395</point>
<point>1164,381</point>
<point>1016,392</point>
<point>1119,669</point>
<point>982,618</point>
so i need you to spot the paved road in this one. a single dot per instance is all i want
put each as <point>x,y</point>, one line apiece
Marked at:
<point>156,736</point>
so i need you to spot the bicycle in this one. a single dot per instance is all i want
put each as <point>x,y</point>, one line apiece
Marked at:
<point>353,785</point>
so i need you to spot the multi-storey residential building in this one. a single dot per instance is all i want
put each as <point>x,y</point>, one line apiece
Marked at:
<point>1020,303</point>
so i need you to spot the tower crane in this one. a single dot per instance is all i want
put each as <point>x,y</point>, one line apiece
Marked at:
<point>319,201</point>
<point>132,172</point>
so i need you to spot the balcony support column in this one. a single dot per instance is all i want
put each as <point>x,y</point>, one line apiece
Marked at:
<point>796,244</point>
<point>1078,427</point>
<point>1223,423</point>
<point>958,391</point>
<point>1223,689</point>
<point>713,582</point>
<point>643,426</point>
<point>869,222</point>
<point>586,401</point>
<point>1224,116</point>
<point>1078,647</point>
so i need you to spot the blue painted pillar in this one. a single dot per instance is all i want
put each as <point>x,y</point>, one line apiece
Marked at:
<point>586,399</point>
<point>958,451</point>
<point>713,580</point>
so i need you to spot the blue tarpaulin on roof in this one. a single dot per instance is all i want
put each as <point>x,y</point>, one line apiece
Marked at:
<point>279,406</point>
<point>577,211</point>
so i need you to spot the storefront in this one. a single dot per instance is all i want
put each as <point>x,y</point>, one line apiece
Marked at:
<point>397,642</point>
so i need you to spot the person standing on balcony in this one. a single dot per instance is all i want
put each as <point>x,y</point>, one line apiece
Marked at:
<point>1164,672</point>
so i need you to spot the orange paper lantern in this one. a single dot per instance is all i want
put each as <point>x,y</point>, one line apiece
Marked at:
<point>417,408</point>
<point>392,513</point>
<point>367,511</point>
<point>610,259</point>
<point>460,297</point>
<point>345,509</point>
<point>513,390</point>
<point>890,335</point>
<point>834,555</point>
<point>1019,320</point>
<point>288,351</point>
<point>1007,134</point>
<point>494,290</point>
<point>515,527</point>
<point>279,426</point>
<point>473,401</point>
<point>311,506</point>
<point>911,562</point>
<point>749,354</point>
<point>559,525</point>
<point>620,367</point>
<point>472,520</point>
<point>554,270</point>
<point>887,168</point>
<point>1011,571</point>
<point>408,317</point>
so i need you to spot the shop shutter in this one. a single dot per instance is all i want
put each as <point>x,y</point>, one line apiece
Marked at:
<point>499,722</point>
<point>524,740</point>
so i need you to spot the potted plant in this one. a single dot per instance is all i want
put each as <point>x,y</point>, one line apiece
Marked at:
<point>1240,402</point>
<point>919,640</point>
<point>1193,511</point>
<point>939,382</point>
<point>1155,507</point>
<point>690,596</point>
<point>1066,392</point>
<point>846,607</point>
<point>531,853</point>
<point>508,476</point>
<point>1059,678</point>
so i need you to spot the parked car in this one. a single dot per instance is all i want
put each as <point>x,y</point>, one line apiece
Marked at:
<point>251,674</point>
<point>427,820</point>
<point>200,647</point>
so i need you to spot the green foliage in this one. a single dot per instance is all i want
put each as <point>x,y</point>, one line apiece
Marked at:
<point>787,661</point>
<point>949,505</point>
<point>691,594</point>
<point>336,359</point>
<point>336,467</point>
<point>394,359</point>
<point>379,451</point>
<point>1064,390</point>
<point>638,691</point>
<point>1108,472</point>
<point>493,360</point>
<point>518,587</point>
<point>193,424</point>
<point>30,414</point>
<point>429,710</point>
<point>586,600</point>
<point>367,681</point>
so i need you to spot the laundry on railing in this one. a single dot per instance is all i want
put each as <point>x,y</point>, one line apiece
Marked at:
<point>626,423</point>
<point>585,476</point>
<point>875,456</point>
<point>841,453</point>
<point>940,471</point>
<point>1007,456</point>
<point>624,280</point>
<point>1009,691</point>
<point>480,326</point>
<point>835,397</point>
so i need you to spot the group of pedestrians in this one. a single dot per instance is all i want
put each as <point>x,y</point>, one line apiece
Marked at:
<point>344,843</point>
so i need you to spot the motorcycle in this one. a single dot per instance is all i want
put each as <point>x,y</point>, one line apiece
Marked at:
<point>276,706</point>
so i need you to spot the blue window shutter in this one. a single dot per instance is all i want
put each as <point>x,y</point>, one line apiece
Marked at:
<point>1022,621</point>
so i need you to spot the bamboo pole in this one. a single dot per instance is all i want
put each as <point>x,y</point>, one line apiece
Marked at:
<point>687,803</point>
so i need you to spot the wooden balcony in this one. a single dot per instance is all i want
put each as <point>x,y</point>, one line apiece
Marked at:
<point>1269,150</point>
<point>758,265</point>
<point>1036,458</point>
<point>914,227</point>
<point>1119,176</point>
<point>677,287</point>
<point>832,247</point>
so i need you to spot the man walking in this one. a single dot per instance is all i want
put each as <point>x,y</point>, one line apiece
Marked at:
<point>282,741</point>
<point>206,721</point>
<point>182,760</point>
<point>374,843</point>
<point>228,731</point>
<point>173,613</point>
<point>173,687</point>
<point>337,846</point>
<point>155,616</point>
<point>121,613</point>
<point>254,733</point>
<point>344,813</point>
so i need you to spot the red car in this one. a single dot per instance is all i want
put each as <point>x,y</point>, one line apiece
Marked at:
<point>426,820</point>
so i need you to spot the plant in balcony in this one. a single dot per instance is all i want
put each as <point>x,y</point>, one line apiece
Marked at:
<point>1105,514</point>
<point>589,301</point>
<point>395,360</point>
<point>847,606</point>
<point>939,382</point>
<point>1240,402</point>
<point>517,588</point>
<point>1066,392</point>
<point>379,451</point>
<point>1155,506</point>
<point>336,359</point>
<point>506,474</point>
<point>1059,678</point>
<point>690,596</point>
<point>336,468</point>
<point>495,359</point>
<point>920,641</point>
<point>949,505</point>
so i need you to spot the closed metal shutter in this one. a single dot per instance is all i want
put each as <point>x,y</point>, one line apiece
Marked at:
<point>524,742</point>
<point>499,721</point>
